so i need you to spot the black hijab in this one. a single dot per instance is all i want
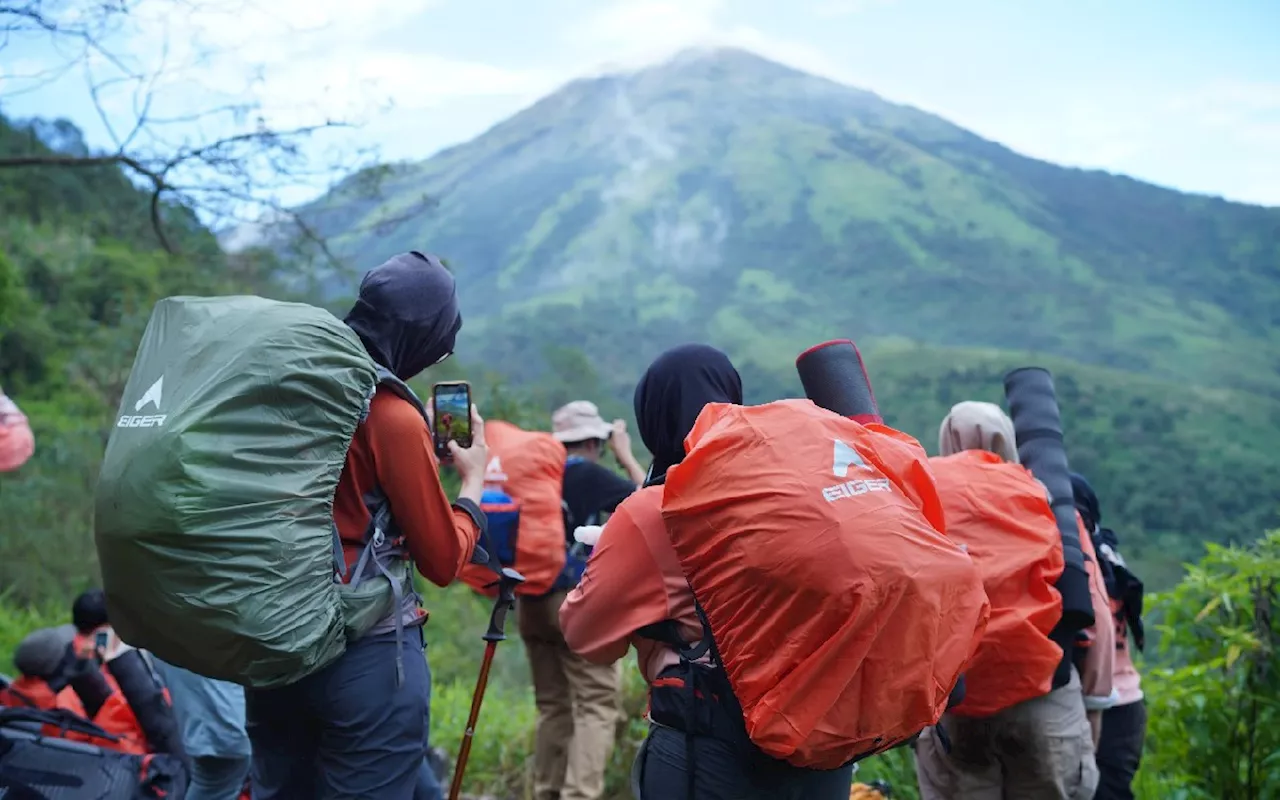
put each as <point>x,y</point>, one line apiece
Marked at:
<point>671,394</point>
<point>407,313</point>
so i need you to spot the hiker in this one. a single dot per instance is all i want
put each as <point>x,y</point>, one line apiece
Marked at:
<point>578,702</point>
<point>211,718</point>
<point>53,676</point>
<point>635,592</point>
<point>1124,724</point>
<point>139,708</point>
<point>45,663</point>
<point>1022,729</point>
<point>16,442</point>
<point>633,578</point>
<point>359,726</point>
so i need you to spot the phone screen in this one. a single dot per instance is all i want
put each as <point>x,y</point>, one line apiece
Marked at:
<point>101,643</point>
<point>451,405</point>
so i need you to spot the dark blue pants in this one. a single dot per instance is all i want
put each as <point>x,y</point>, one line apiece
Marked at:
<point>347,731</point>
<point>727,766</point>
<point>724,773</point>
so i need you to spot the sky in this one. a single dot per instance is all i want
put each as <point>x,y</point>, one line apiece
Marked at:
<point>1178,93</point>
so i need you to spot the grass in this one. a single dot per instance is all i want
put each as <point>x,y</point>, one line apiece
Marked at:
<point>500,764</point>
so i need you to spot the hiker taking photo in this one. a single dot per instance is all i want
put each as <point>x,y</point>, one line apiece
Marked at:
<point>578,702</point>
<point>283,560</point>
<point>349,730</point>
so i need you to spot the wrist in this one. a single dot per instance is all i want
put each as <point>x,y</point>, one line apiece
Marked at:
<point>472,488</point>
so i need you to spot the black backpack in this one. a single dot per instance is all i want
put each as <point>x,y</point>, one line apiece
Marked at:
<point>34,766</point>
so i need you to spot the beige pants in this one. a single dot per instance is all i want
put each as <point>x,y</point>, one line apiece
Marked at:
<point>1041,749</point>
<point>578,707</point>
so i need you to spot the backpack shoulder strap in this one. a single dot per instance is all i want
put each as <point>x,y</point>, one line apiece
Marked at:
<point>388,379</point>
<point>381,546</point>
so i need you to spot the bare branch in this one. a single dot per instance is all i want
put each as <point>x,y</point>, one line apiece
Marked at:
<point>223,164</point>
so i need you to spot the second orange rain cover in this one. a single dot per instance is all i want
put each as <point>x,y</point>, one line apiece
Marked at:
<point>530,466</point>
<point>1001,513</point>
<point>816,545</point>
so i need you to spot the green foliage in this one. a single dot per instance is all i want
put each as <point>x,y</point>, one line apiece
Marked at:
<point>1214,701</point>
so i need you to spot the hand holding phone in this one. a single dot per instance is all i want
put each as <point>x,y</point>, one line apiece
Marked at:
<point>451,416</point>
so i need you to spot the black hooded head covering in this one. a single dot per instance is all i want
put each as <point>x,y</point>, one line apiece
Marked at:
<point>1086,501</point>
<point>407,313</point>
<point>671,394</point>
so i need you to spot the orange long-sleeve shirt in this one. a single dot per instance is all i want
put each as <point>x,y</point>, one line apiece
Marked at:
<point>393,450</point>
<point>633,579</point>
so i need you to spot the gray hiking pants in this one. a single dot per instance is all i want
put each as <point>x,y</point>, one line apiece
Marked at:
<point>347,731</point>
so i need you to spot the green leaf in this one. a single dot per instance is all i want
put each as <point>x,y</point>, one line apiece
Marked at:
<point>1209,607</point>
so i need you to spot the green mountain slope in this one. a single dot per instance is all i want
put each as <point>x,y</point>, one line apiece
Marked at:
<point>722,196</point>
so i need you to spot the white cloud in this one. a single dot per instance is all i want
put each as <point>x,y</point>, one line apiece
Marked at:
<point>843,8</point>
<point>304,60</point>
<point>627,34</point>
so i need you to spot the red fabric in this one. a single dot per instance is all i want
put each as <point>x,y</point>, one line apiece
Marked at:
<point>529,466</point>
<point>817,547</point>
<point>16,442</point>
<point>1001,514</point>
<point>114,717</point>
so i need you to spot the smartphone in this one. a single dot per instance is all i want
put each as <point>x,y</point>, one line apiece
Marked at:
<point>451,409</point>
<point>101,644</point>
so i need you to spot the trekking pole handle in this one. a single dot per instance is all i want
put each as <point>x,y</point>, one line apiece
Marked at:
<point>506,601</point>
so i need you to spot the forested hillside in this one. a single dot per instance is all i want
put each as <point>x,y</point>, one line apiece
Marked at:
<point>720,195</point>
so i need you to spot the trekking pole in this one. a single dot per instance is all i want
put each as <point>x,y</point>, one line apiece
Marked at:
<point>506,601</point>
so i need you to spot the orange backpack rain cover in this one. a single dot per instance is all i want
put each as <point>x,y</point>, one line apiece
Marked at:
<point>533,465</point>
<point>842,612</point>
<point>1000,512</point>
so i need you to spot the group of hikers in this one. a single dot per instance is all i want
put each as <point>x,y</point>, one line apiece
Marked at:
<point>803,588</point>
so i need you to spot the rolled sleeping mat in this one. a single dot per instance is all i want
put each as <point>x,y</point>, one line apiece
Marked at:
<point>1037,425</point>
<point>835,378</point>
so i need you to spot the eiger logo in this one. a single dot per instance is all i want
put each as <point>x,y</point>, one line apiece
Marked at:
<point>842,459</point>
<point>493,472</point>
<point>153,396</point>
<point>845,457</point>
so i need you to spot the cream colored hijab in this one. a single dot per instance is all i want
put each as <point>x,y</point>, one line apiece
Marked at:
<point>972,425</point>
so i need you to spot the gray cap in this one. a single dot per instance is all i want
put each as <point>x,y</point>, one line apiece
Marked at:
<point>40,654</point>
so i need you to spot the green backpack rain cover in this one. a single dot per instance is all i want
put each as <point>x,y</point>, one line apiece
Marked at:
<point>214,508</point>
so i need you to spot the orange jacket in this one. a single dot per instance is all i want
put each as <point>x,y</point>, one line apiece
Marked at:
<point>116,715</point>
<point>393,451</point>
<point>633,579</point>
